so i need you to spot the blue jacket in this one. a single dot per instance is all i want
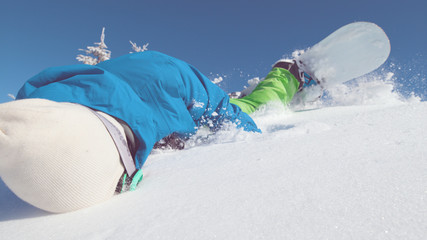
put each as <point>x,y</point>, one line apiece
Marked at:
<point>155,94</point>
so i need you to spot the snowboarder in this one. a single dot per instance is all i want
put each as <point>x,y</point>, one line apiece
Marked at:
<point>78,134</point>
<point>65,143</point>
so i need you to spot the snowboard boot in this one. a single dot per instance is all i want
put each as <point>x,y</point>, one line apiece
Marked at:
<point>303,78</point>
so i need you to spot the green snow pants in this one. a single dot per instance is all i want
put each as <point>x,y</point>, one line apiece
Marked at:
<point>278,85</point>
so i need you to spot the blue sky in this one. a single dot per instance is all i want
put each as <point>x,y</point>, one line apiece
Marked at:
<point>237,40</point>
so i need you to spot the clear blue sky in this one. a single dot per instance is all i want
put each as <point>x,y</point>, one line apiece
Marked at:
<point>236,39</point>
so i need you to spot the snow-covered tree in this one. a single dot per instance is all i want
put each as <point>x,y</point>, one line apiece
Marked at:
<point>99,52</point>
<point>137,48</point>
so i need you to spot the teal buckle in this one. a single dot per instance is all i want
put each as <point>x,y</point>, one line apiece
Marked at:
<point>127,183</point>
<point>137,178</point>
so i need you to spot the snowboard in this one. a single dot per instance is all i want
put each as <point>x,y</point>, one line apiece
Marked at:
<point>351,51</point>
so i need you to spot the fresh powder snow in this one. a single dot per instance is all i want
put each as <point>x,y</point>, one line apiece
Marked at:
<point>352,165</point>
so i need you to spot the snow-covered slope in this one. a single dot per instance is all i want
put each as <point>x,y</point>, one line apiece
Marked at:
<point>354,167</point>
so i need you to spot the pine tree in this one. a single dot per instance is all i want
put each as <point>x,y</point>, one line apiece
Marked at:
<point>99,51</point>
<point>137,48</point>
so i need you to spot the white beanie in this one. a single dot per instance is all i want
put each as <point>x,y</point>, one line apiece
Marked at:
<point>57,156</point>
